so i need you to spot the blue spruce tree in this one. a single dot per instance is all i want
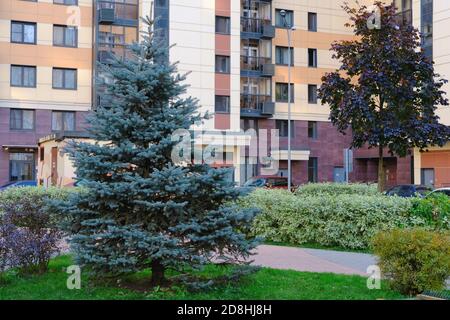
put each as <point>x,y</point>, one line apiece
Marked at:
<point>139,209</point>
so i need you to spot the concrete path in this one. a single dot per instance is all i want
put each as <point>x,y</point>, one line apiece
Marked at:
<point>313,260</point>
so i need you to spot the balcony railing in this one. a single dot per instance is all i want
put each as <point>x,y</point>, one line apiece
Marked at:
<point>250,63</point>
<point>259,27</point>
<point>257,105</point>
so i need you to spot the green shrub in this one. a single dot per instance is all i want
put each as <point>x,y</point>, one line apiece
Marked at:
<point>347,220</point>
<point>435,210</point>
<point>414,260</point>
<point>317,189</point>
<point>29,233</point>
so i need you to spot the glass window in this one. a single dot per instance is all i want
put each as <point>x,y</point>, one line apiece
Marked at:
<point>282,55</point>
<point>64,36</point>
<point>63,121</point>
<point>23,76</point>
<point>284,22</point>
<point>222,25</point>
<point>64,78</point>
<point>312,129</point>
<point>222,64</point>
<point>312,58</point>
<point>282,127</point>
<point>281,92</point>
<point>222,104</point>
<point>66,2</point>
<point>21,119</point>
<point>312,94</point>
<point>21,166</point>
<point>23,32</point>
<point>312,21</point>
<point>312,170</point>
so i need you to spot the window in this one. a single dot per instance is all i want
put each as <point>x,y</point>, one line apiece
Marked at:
<point>282,126</point>
<point>222,25</point>
<point>280,22</point>
<point>66,2</point>
<point>282,55</point>
<point>41,154</point>
<point>64,36</point>
<point>312,21</point>
<point>222,104</point>
<point>64,79</point>
<point>312,93</point>
<point>312,58</point>
<point>222,64</point>
<point>23,76</point>
<point>281,92</point>
<point>23,32</point>
<point>312,170</point>
<point>63,121</point>
<point>21,119</point>
<point>312,129</point>
<point>21,166</point>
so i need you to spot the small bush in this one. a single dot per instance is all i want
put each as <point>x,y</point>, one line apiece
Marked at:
<point>29,234</point>
<point>414,260</point>
<point>435,210</point>
<point>347,220</point>
<point>317,189</point>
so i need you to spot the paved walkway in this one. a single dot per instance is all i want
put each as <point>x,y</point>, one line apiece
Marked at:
<point>313,260</point>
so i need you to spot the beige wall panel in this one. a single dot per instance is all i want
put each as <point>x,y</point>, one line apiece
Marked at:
<point>40,55</point>
<point>44,93</point>
<point>46,12</point>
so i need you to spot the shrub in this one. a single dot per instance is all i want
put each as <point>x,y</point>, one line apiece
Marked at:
<point>347,220</point>
<point>435,210</point>
<point>28,232</point>
<point>317,189</point>
<point>414,260</point>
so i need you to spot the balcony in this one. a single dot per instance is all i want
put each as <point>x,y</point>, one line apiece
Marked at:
<point>257,105</point>
<point>252,28</point>
<point>257,67</point>
<point>106,15</point>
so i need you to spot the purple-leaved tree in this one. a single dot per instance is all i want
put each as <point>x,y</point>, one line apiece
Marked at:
<point>386,90</point>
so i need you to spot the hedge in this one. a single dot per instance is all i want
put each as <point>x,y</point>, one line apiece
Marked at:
<point>316,189</point>
<point>347,220</point>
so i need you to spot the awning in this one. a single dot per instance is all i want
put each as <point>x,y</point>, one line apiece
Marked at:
<point>296,155</point>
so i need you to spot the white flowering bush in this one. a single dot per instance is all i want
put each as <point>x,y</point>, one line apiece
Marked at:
<point>345,220</point>
<point>328,188</point>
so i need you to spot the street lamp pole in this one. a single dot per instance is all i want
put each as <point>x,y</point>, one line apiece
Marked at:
<point>289,30</point>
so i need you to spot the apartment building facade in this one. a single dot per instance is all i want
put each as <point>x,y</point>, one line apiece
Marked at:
<point>45,77</point>
<point>237,54</point>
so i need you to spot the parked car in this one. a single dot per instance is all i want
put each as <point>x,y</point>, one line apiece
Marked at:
<point>23,183</point>
<point>445,191</point>
<point>270,182</point>
<point>409,191</point>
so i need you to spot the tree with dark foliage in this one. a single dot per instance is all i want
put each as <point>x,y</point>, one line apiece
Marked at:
<point>386,90</point>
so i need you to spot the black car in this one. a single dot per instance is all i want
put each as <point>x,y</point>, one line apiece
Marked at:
<point>409,190</point>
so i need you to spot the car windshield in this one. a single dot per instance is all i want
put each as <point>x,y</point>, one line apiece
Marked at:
<point>255,182</point>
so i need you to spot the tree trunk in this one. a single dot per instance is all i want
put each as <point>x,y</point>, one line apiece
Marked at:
<point>381,174</point>
<point>157,273</point>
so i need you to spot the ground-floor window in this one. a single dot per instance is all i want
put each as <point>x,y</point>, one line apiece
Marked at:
<point>312,170</point>
<point>21,166</point>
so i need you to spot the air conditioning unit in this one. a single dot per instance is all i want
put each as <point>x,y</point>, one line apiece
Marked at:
<point>268,108</point>
<point>106,15</point>
<point>268,70</point>
<point>105,56</point>
<point>268,31</point>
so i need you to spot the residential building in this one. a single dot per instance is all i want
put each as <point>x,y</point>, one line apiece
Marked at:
<point>237,53</point>
<point>45,77</point>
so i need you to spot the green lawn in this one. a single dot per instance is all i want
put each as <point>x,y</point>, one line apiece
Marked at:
<point>265,284</point>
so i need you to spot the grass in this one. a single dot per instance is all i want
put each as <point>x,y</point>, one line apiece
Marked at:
<point>264,284</point>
